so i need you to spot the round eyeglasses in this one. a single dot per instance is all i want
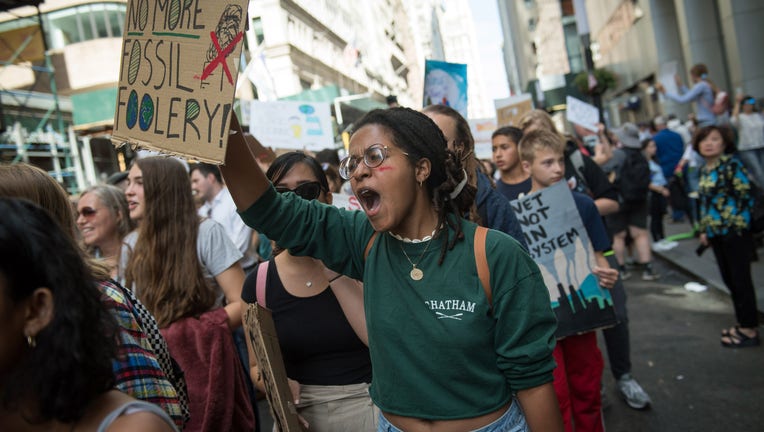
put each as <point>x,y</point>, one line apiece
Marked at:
<point>308,191</point>
<point>372,158</point>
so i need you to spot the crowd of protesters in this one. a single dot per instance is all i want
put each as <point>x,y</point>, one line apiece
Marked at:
<point>154,274</point>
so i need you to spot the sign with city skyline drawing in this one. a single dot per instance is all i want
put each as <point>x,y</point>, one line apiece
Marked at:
<point>558,242</point>
<point>180,62</point>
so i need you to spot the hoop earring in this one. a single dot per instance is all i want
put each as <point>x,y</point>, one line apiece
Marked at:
<point>31,341</point>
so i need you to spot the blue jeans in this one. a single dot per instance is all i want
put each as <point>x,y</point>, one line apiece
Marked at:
<point>511,421</point>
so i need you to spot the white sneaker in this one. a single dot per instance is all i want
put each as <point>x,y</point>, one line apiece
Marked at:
<point>632,392</point>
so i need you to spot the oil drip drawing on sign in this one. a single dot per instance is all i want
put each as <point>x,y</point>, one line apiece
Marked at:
<point>178,75</point>
<point>558,242</point>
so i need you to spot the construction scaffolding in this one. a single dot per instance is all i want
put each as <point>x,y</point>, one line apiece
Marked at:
<point>33,127</point>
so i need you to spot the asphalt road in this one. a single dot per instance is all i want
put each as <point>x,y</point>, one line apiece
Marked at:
<point>694,382</point>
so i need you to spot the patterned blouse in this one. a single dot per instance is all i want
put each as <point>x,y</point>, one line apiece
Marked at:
<point>725,198</point>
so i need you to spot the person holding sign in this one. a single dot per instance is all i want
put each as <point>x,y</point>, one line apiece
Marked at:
<point>328,367</point>
<point>460,359</point>
<point>584,175</point>
<point>578,376</point>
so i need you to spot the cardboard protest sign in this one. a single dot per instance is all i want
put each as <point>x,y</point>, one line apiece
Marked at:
<point>482,129</point>
<point>178,74</point>
<point>582,113</point>
<point>510,110</point>
<point>558,242</point>
<point>263,341</point>
<point>446,84</point>
<point>292,124</point>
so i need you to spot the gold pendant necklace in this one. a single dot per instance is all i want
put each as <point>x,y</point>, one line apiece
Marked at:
<point>415,273</point>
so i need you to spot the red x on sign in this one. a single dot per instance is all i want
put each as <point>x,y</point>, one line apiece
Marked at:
<point>220,58</point>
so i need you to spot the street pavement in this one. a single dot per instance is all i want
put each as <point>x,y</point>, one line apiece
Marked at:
<point>695,383</point>
<point>704,268</point>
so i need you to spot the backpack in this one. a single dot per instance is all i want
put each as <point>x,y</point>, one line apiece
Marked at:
<point>633,177</point>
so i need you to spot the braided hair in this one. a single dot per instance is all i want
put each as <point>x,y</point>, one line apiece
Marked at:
<point>417,135</point>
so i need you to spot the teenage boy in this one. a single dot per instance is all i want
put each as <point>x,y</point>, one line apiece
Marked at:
<point>513,180</point>
<point>578,375</point>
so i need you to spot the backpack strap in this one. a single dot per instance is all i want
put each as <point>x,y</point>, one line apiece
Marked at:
<point>369,245</point>
<point>262,274</point>
<point>481,262</point>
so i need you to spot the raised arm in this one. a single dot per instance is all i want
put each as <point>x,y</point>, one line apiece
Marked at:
<point>245,180</point>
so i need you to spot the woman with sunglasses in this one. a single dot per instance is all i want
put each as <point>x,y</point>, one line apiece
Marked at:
<point>329,368</point>
<point>445,357</point>
<point>103,222</point>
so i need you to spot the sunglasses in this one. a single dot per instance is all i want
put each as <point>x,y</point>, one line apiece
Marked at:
<point>87,212</point>
<point>308,191</point>
<point>372,158</point>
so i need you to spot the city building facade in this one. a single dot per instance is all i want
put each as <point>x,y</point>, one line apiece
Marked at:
<point>635,39</point>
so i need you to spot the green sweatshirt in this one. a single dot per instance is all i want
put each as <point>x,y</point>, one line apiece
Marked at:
<point>437,353</point>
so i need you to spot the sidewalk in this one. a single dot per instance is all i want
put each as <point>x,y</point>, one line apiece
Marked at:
<point>704,268</point>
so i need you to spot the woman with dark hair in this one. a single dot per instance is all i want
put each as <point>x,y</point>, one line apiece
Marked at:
<point>329,368</point>
<point>448,352</point>
<point>103,221</point>
<point>58,339</point>
<point>166,262</point>
<point>725,218</point>
<point>142,367</point>
<point>490,209</point>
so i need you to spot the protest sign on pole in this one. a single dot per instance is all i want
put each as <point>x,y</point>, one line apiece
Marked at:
<point>558,242</point>
<point>446,84</point>
<point>582,113</point>
<point>180,62</point>
<point>293,125</point>
<point>510,110</point>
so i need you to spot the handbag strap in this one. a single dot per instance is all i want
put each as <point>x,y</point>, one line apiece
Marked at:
<point>262,275</point>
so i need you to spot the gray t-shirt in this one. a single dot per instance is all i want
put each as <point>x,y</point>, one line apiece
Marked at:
<point>215,250</point>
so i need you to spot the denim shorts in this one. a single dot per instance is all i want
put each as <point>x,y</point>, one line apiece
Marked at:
<point>511,421</point>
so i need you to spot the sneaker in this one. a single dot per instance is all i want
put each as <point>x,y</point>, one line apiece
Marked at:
<point>625,275</point>
<point>632,392</point>
<point>649,275</point>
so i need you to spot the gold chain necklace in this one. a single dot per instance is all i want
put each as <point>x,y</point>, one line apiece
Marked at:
<point>415,273</point>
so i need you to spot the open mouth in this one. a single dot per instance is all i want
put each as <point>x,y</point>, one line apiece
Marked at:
<point>369,200</point>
